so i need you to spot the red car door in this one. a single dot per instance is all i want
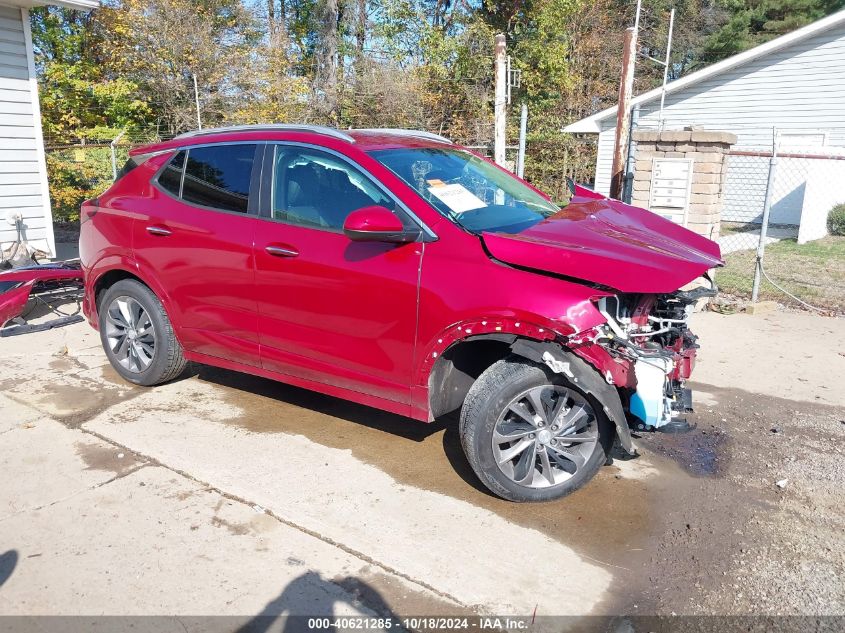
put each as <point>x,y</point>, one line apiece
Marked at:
<point>332,310</point>
<point>194,234</point>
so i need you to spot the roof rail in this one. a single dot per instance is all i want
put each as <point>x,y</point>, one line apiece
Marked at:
<point>272,127</point>
<point>417,133</point>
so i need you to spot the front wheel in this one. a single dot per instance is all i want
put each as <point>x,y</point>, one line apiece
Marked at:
<point>531,434</point>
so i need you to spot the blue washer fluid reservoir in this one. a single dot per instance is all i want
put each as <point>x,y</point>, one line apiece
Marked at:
<point>649,402</point>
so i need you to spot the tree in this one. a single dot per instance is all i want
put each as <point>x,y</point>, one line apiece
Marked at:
<point>79,98</point>
<point>326,61</point>
<point>751,22</point>
<point>162,45</point>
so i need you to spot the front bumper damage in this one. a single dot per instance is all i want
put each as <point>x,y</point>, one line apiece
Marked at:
<point>647,352</point>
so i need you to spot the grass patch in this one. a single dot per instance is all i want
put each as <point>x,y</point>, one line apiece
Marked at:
<point>814,272</point>
<point>729,228</point>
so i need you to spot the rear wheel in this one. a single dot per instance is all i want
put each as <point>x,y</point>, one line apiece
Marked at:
<point>137,335</point>
<point>531,434</point>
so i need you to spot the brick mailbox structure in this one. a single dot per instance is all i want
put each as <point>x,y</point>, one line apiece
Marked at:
<point>680,174</point>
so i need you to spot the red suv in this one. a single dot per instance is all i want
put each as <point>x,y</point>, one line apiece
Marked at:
<point>397,270</point>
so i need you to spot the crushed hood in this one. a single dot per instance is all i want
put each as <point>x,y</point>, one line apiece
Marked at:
<point>608,242</point>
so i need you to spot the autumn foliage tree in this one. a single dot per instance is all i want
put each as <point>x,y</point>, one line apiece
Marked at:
<point>130,66</point>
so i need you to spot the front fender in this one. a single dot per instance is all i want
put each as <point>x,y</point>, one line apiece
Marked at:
<point>431,351</point>
<point>470,328</point>
<point>587,376</point>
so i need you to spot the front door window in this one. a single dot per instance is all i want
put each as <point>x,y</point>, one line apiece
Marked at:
<point>316,189</point>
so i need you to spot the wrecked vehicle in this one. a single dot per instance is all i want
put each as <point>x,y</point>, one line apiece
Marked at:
<point>395,269</point>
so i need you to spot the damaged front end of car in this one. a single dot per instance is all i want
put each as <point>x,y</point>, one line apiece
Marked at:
<point>647,351</point>
<point>643,269</point>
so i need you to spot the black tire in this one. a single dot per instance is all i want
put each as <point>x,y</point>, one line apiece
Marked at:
<point>168,361</point>
<point>488,398</point>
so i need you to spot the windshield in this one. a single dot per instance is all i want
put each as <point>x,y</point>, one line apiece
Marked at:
<point>468,190</point>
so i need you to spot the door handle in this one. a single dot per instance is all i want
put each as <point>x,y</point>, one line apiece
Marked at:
<point>158,230</point>
<point>281,251</point>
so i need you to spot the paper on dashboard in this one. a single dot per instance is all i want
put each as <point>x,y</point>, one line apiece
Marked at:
<point>455,196</point>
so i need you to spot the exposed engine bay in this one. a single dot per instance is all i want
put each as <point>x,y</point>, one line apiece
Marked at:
<point>647,351</point>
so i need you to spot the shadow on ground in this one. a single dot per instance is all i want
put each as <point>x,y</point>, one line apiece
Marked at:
<point>312,596</point>
<point>8,562</point>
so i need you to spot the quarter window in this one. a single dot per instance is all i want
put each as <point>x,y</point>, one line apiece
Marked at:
<point>317,189</point>
<point>170,178</point>
<point>219,176</point>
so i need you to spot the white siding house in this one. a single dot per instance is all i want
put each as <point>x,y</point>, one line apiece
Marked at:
<point>794,84</point>
<point>23,171</point>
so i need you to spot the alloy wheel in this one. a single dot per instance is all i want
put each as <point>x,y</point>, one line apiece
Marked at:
<point>130,334</point>
<point>544,436</point>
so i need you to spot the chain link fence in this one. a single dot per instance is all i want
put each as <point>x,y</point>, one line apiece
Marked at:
<point>549,162</point>
<point>773,235</point>
<point>79,172</point>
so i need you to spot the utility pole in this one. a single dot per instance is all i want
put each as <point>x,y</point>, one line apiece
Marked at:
<point>628,188</point>
<point>523,131</point>
<point>500,101</point>
<point>197,101</point>
<point>623,113</point>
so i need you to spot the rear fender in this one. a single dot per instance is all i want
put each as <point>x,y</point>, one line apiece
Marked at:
<point>112,263</point>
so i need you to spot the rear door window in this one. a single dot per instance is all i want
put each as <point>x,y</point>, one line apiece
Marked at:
<point>130,164</point>
<point>170,179</point>
<point>219,176</point>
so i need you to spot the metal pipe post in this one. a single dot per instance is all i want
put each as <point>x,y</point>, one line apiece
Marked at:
<point>500,101</point>
<point>666,67</point>
<point>113,146</point>
<point>197,101</point>
<point>767,206</point>
<point>523,130</point>
<point>628,189</point>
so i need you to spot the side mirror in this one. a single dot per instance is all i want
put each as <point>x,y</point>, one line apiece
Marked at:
<point>377,224</point>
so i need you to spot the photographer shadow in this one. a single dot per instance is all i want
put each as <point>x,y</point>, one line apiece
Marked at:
<point>311,596</point>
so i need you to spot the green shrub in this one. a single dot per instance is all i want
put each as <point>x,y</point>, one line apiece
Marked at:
<point>77,173</point>
<point>836,220</point>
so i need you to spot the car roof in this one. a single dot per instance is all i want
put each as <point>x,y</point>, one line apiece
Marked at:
<point>363,139</point>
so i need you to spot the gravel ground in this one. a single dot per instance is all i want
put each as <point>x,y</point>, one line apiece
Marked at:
<point>762,530</point>
<point>764,533</point>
